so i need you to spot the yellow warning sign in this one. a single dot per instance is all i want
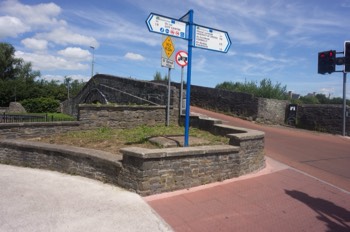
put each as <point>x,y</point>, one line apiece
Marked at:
<point>168,46</point>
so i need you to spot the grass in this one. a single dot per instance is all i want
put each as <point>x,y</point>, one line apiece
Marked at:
<point>112,140</point>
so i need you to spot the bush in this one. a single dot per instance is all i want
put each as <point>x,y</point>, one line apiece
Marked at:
<point>41,105</point>
<point>265,89</point>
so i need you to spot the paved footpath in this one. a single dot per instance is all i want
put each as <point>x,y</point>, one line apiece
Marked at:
<point>278,198</point>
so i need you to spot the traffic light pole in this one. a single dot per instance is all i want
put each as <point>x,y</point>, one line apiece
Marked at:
<point>344,103</point>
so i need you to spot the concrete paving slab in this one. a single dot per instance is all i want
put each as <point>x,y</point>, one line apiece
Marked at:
<point>40,200</point>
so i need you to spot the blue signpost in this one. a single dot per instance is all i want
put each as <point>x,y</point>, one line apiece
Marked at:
<point>198,36</point>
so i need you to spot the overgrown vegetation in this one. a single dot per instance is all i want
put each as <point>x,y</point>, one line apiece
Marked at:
<point>112,140</point>
<point>319,99</point>
<point>265,88</point>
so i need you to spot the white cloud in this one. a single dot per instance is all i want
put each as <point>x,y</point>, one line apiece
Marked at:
<point>133,56</point>
<point>60,78</point>
<point>12,26</point>
<point>35,44</point>
<point>39,15</point>
<point>63,36</point>
<point>75,53</point>
<point>114,27</point>
<point>49,62</point>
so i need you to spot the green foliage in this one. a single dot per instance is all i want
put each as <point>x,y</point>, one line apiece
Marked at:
<point>265,89</point>
<point>320,99</point>
<point>158,77</point>
<point>19,82</point>
<point>309,100</point>
<point>41,105</point>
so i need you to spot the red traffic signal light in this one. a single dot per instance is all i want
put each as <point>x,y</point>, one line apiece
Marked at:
<point>326,62</point>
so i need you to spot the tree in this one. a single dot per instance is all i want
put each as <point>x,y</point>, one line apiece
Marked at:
<point>17,79</point>
<point>8,62</point>
<point>158,77</point>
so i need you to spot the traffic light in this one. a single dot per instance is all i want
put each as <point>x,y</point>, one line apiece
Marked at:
<point>347,56</point>
<point>326,62</point>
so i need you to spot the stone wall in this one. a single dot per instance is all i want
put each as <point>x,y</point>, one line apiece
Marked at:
<point>93,116</point>
<point>324,118</point>
<point>151,171</point>
<point>238,104</point>
<point>94,164</point>
<point>243,105</point>
<point>35,129</point>
<point>148,171</point>
<point>122,91</point>
<point>271,111</point>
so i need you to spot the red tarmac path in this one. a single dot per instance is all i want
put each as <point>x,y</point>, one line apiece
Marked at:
<point>310,193</point>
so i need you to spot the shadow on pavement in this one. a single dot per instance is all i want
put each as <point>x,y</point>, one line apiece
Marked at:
<point>336,218</point>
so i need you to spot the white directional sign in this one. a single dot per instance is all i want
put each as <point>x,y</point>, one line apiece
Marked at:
<point>211,39</point>
<point>166,26</point>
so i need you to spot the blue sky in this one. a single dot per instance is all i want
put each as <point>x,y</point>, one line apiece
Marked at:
<point>275,39</point>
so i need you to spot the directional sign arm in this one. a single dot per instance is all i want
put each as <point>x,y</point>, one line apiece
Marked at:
<point>211,39</point>
<point>166,26</point>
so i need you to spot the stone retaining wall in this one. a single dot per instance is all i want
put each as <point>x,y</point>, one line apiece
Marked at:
<point>94,164</point>
<point>151,171</point>
<point>324,118</point>
<point>148,171</point>
<point>93,116</point>
<point>35,129</point>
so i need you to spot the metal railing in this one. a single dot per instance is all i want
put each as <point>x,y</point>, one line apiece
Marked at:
<point>19,118</point>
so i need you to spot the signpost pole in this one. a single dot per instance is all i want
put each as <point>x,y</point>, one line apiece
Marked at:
<point>169,95</point>
<point>182,88</point>
<point>344,103</point>
<point>188,83</point>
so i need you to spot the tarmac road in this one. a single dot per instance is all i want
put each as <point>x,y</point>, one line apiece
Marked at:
<point>321,155</point>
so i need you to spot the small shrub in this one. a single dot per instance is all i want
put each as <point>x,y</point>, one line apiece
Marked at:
<point>41,105</point>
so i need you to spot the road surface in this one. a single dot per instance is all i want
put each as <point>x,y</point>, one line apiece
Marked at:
<point>321,155</point>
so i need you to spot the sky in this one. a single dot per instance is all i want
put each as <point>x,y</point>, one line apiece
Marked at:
<point>274,39</point>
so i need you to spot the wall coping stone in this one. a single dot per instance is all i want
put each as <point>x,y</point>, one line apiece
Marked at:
<point>119,107</point>
<point>240,133</point>
<point>68,150</point>
<point>39,124</point>
<point>178,151</point>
